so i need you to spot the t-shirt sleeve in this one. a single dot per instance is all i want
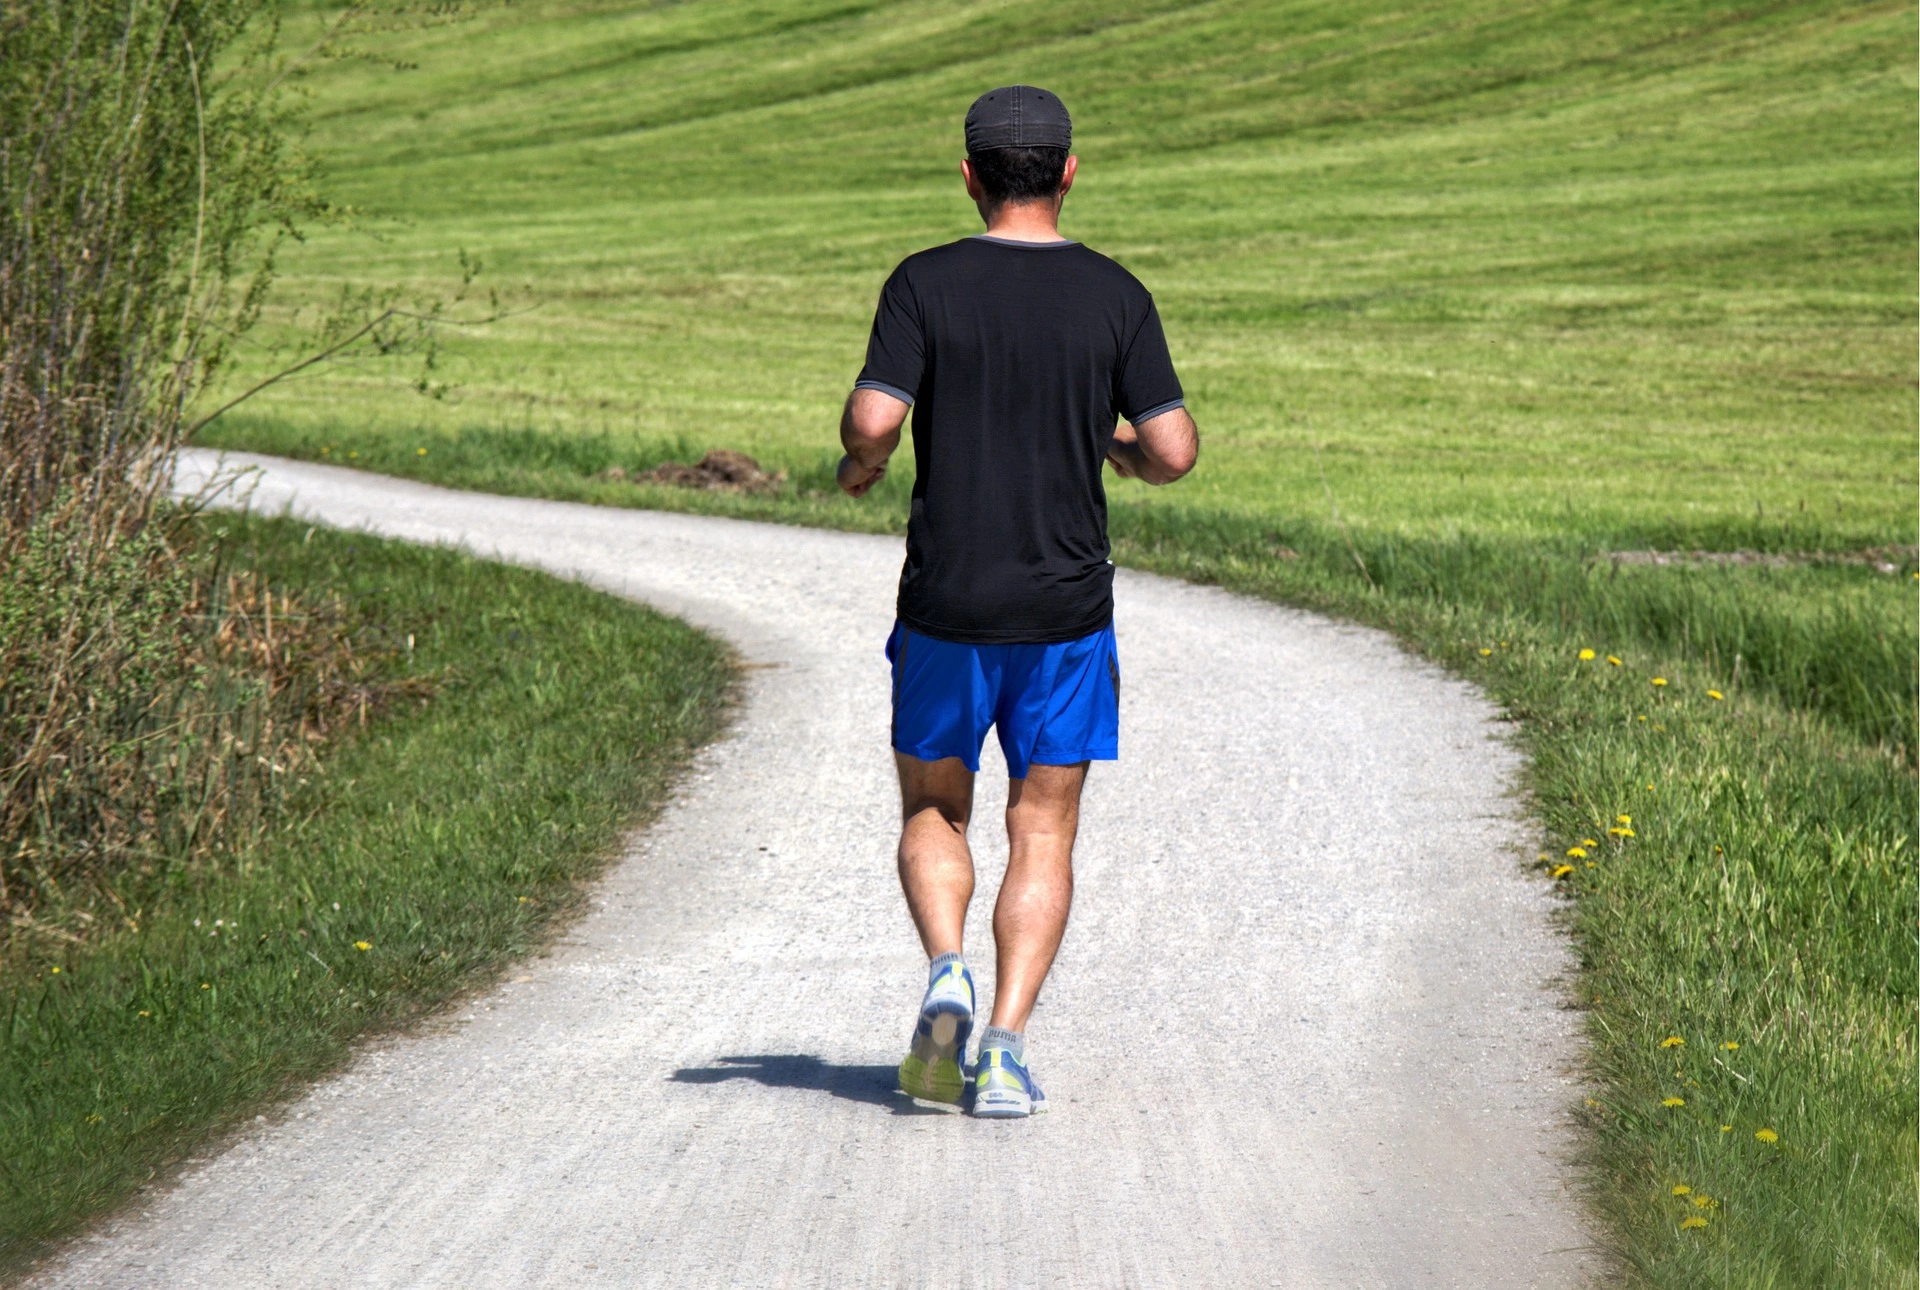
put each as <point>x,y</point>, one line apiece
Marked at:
<point>896,351</point>
<point>1147,385</point>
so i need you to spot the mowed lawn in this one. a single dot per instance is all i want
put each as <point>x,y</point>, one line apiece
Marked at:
<point>1470,300</point>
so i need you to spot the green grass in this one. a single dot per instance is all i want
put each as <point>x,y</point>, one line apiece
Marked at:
<point>1470,294</point>
<point>449,838</point>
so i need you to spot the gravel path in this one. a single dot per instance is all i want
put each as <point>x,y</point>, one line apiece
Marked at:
<point>1305,1030</point>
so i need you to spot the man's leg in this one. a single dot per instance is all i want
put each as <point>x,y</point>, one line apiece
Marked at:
<point>1030,917</point>
<point>936,872</point>
<point>936,869</point>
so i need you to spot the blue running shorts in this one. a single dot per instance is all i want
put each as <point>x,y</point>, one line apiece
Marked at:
<point>1053,705</point>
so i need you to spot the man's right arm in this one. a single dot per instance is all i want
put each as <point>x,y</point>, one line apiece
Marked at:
<point>1158,450</point>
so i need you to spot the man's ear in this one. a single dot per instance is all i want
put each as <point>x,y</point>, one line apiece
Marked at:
<point>974,190</point>
<point>1066,176</point>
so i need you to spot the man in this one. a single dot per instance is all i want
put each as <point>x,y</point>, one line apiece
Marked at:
<point>1015,351</point>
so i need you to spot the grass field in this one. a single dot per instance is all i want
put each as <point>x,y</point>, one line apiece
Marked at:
<point>440,844</point>
<point>1468,298</point>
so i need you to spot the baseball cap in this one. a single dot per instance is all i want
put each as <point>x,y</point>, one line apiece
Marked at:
<point>1018,116</point>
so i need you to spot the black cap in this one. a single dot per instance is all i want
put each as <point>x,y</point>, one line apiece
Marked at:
<point>1018,116</point>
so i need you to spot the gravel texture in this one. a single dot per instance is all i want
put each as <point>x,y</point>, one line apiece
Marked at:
<point>1307,1029</point>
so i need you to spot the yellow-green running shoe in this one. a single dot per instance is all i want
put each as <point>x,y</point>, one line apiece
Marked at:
<point>931,1069</point>
<point>1003,1087</point>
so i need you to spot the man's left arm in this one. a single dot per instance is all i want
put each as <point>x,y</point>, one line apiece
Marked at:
<point>869,431</point>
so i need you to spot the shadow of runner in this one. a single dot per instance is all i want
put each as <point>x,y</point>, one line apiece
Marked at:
<point>874,1085</point>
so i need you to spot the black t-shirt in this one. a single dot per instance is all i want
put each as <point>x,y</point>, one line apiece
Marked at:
<point>1017,357</point>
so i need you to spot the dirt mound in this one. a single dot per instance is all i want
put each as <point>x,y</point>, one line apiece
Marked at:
<point>719,471</point>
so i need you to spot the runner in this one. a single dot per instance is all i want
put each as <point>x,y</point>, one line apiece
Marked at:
<point>1016,351</point>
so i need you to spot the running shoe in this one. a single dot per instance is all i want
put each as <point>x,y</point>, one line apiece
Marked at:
<point>931,1068</point>
<point>1003,1087</point>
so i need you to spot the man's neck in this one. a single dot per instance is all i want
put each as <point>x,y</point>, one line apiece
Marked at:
<point>1026,222</point>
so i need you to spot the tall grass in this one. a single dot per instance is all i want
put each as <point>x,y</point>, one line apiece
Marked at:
<point>140,157</point>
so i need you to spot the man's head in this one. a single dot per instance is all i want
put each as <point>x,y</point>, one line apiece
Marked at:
<point>1018,141</point>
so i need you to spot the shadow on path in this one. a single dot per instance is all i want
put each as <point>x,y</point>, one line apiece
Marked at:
<point>873,1085</point>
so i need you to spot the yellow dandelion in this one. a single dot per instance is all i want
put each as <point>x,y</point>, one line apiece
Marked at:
<point>1693,1222</point>
<point>1563,871</point>
<point>56,971</point>
<point>523,899</point>
<point>1623,819</point>
<point>1586,656</point>
<point>1726,1128</point>
<point>1649,786</point>
<point>1659,680</point>
<point>1485,652</point>
<point>1673,1101</point>
<point>1673,1041</point>
<point>1715,694</point>
<point>1576,853</point>
<point>1614,659</point>
<point>1588,842</point>
<point>205,986</point>
<point>1619,832</point>
<point>1767,1136</point>
<point>421,451</point>
<point>363,945</point>
<point>1592,865</point>
<point>1731,1046</point>
<point>1705,1202</point>
<point>1503,644</point>
<point>1640,718</point>
<point>1681,1189</point>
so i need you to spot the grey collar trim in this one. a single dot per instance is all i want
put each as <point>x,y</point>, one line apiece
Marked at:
<point>1014,241</point>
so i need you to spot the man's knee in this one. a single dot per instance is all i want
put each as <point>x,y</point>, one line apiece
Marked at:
<point>944,787</point>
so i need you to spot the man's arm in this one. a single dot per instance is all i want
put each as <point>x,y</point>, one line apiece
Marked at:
<point>869,431</point>
<point>1158,451</point>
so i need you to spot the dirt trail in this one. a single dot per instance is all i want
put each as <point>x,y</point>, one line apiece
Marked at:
<point>1303,1033</point>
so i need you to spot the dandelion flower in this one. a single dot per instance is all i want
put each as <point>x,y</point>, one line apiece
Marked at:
<point>1641,718</point>
<point>421,451</point>
<point>1705,1202</point>
<point>1659,680</point>
<point>363,945</point>
<point>1617,831</point>
<point>1673,1041</point>
<point>1731,1046</point>
<point>1693,1222</point>
<point>145,1013</point>
<point>56,971</point>
<point>205,986</point>
<point>1592,865</point>
<point>1715,694</point>
<point>1623,819</point>
<point>1485,652</point>
<point>1767,1136</point>
<point>1563,871</point>
<point>1726,1128</point>
<point>1586,656</point>
<point>1681,1189</point>
<point>1613,659</point>
<point>1673,1101</point>
<point>1588,842</point>
<point>1576,853</point>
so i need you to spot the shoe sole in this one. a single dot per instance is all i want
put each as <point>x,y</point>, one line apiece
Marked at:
<point>931,1069</point>
<point>1001,1104</point>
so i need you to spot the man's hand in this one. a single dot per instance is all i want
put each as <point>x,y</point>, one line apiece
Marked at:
<point>869,431</point>
<point>855,479</point>
<point>1157,451</point>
